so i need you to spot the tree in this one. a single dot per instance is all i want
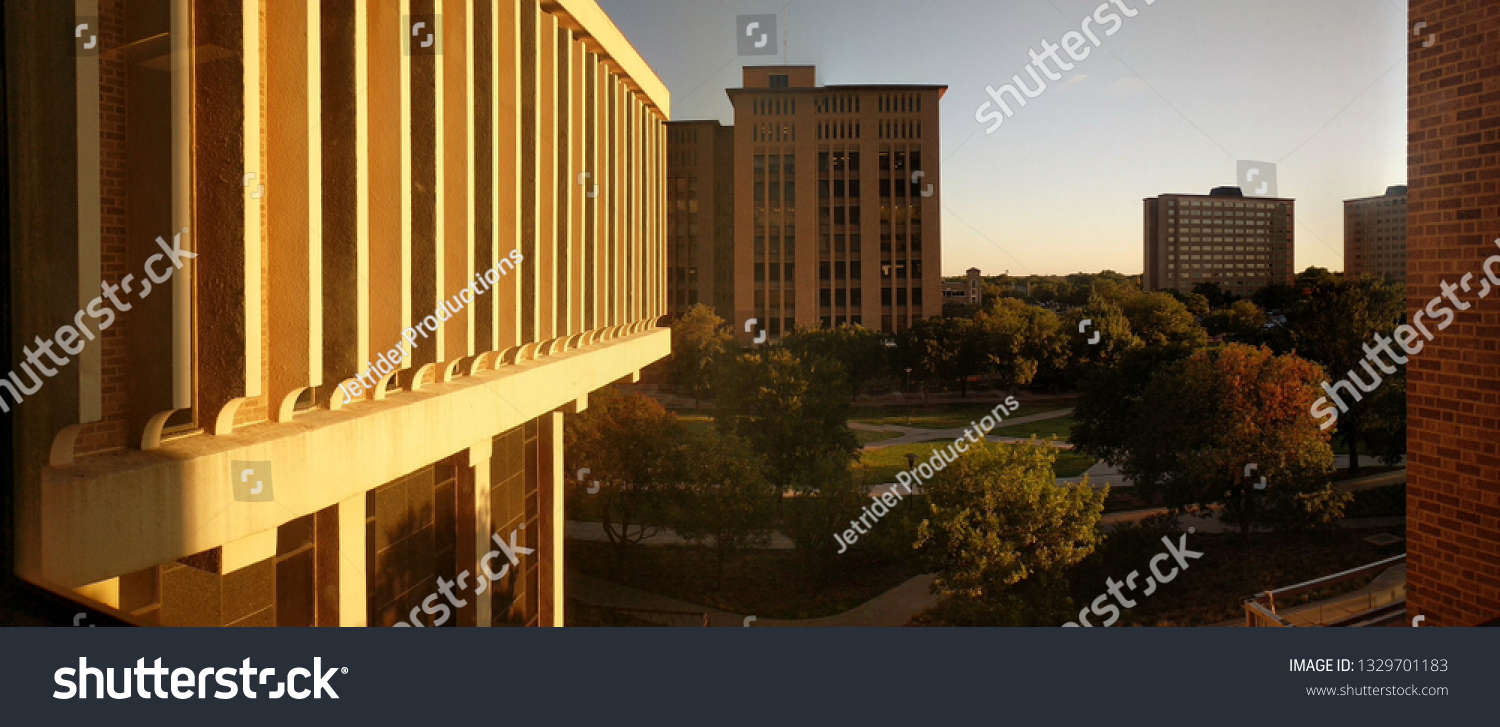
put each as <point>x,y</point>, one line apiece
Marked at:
<point>1244,322</point>
<point>1104,320</point>
<point>724,498</point>
<point>1215,294</point>
<point>1315,278</point>
<point>948,348</point>
<point>1196,303</point>
<point>1276,297</point>
<point>998,517</point>
<point>793,411</point>
<point>1187,436</point>
<point>628,442</point>
<point>1333,326</point>
<point>859,350</point>
<point>1158,319</point>
<point>1019,341</point>
<point>699,339</point>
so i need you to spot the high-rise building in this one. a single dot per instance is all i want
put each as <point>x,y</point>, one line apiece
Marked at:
<point>1375,235</point>
<point>700,216</point>
<point>1452,499</point>
<point>413,235</point>
<point>1241,243</point>
<point>830,187</point>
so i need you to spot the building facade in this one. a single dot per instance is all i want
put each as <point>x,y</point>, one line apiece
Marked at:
<point>830,188</point>
<point>967,291</point>
<point>1375,235</point>
<point>700,217</point>
<point>1241,243</point>
<point>1452,495</point>
<point>406,239</point>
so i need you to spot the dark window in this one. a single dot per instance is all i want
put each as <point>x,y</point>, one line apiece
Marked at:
<point>824,271</point>
<point>780,81</point>
<point>916,296</point>
<point>885,296</point>
<point>901,296</point>
<point>823,297</point>
<point>856,298</point>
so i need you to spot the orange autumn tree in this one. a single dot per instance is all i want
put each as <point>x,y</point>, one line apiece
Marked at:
<point>1187,436</point>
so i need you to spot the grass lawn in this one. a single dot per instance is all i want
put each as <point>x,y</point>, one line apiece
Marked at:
<point>866,436</point>
<point>1062,428</point>
<point>766,583</point>
<point>1072,464</point>
<point>879,466</point>
<point>947,415</point>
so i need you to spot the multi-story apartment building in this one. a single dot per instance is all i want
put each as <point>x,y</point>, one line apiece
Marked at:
<point>1453,501</point>
<point>417,234</point>
<point>700,216</point>
<point>1375,235</point>
<point>1241,243</point>
<point>836,203</point>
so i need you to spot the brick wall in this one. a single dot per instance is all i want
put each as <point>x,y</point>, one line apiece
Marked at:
<point>1454,385</point>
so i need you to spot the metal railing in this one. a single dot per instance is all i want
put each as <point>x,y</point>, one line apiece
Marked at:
<point>1261,609</point>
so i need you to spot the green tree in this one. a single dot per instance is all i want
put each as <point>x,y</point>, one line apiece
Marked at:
<point>948,348</point>
<point>859,350</point>
<point>1159,319</point>
<point>724,499</point>
<point>1276,297</point>
<point>1243,322</point>
<point>1333,326</point>
<point>628,442</point>
<point>699,339</point>
<point>1020,341</point>
<point>999,517</point>
<point>1215,294</point>
<point>793,411</point>
<point>1105,320</point>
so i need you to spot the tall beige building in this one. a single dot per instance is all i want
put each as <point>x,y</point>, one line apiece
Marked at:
<point>1241,243</point>
<point>837,192</point>
<point>413,235</point>
<point>1375,235</point>
<point>700,216</point>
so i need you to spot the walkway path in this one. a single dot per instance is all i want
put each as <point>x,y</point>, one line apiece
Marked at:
<point>917,435</point>
<point>895,607</point>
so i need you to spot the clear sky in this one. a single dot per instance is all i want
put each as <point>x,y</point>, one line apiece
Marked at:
<point>1166,104</point>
